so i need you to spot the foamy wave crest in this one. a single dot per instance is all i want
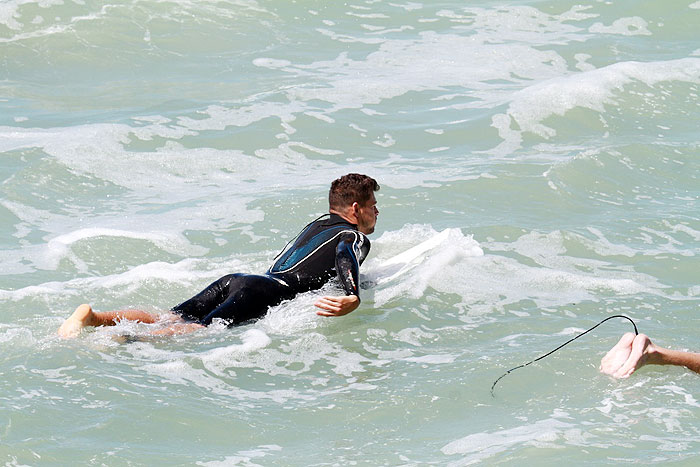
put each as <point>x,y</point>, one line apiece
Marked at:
<point>453,263</point>
<point>16,336</point>
<point>60,247</point>
<point>10,11</point>
<point>252,340</point>
<point>185,272</point>
<point>410,271</point>
<point>297,315</point>
<point>592,90</point>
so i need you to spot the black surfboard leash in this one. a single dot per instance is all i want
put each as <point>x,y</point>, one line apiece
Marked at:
<point>565,343</point>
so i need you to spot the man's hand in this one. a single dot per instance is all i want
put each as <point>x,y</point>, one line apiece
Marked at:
<point>633,352</point>
<point>628,355</point>
<point>337,306</point>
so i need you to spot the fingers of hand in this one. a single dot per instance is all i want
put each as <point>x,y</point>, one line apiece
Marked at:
<point>634,360</point>
<point>613,362</point>
<point>329,305</point>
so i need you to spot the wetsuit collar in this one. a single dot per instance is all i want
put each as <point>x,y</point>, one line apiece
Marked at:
<point>337,219</point>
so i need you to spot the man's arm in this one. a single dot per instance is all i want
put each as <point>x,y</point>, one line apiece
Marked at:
<point>632,352</point>
<point>347,266</point>
<point>690,360</point>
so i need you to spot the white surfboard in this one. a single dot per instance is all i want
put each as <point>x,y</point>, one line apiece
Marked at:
<point>407,260</point>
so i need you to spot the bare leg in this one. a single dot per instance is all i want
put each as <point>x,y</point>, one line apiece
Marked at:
<point>84,316</point>
<point>178,328</point>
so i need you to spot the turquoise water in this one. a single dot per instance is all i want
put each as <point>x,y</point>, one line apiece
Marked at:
<point>149,147</point>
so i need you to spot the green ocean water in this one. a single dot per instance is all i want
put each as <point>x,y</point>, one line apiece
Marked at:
<point>149,147</point>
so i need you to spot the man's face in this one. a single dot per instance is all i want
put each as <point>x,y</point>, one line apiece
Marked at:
<point>367,215</point>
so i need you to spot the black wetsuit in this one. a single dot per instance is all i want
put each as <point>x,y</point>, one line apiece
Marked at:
<point>326,248</point>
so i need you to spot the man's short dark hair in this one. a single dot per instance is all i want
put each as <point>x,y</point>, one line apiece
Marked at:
<point>351,188</point>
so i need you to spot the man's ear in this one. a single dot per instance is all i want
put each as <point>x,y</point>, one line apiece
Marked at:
<point>356,208</point>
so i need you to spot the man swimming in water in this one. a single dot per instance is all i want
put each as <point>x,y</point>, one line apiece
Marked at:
<point>334,245</point>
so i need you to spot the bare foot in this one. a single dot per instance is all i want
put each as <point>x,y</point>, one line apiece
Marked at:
<point>81,317</point>
<point>618,355</point>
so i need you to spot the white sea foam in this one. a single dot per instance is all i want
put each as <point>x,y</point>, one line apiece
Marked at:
<point>592,89</point>
<point>488,283</point>
<point>633,26</point>
<point>414,336</point>
<point>99,151</point>
<point>459,266</point>
<point>520,23</point>
<point>684,228</point>
<point>481,446</point>
<point>293,357</point>
<point>243,115</point>
<point>185,272</point>
<point>566,272</point>
<point>9,10</point>
<point>180,372</point>
<point>432,359</point>
<point>244,458</point>
<point>297,315</point>
<point>59,247</point>
<point>252,340</point>
<point>181,369</point>
<point>49,256</point>
<point>16,336</point>
<point>53,30</point>
<point>677,390</point>
<point>435,61</point>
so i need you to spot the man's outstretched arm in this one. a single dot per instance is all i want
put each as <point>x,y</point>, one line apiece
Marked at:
<point>632,352</point>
